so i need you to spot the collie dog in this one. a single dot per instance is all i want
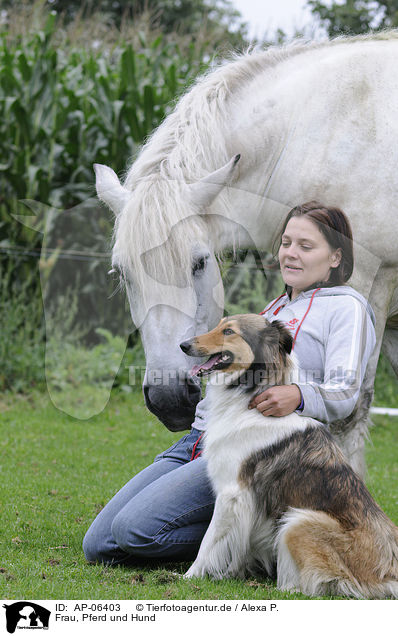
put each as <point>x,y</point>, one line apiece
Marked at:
<point>287,501</point>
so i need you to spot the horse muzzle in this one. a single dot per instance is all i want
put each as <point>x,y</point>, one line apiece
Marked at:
<point>172,397</point>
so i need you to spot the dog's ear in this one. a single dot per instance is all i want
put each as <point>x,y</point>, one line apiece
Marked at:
<point>285,337</point>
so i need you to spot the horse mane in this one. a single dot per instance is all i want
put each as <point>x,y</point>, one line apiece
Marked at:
<point>188,145</point>
<point>205,98</point>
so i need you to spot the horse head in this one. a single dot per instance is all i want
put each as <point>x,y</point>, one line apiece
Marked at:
<point>164,251</point>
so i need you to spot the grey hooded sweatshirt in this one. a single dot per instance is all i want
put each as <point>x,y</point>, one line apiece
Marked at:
<point>334,336</point>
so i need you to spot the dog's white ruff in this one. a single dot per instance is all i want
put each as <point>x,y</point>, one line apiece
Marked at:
<point>239,537</point>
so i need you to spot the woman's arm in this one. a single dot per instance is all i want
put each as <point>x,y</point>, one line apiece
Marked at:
<point>349,341</point>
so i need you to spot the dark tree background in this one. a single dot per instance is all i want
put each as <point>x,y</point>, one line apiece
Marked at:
<point>183,16</point>
<point>355,16</point>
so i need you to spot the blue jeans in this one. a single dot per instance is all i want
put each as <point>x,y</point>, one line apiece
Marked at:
<point>162,513</point>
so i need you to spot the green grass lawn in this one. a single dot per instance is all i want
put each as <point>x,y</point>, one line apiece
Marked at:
<point>57,473</point>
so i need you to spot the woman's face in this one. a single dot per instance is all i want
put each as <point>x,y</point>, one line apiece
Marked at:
<point>305,256</point>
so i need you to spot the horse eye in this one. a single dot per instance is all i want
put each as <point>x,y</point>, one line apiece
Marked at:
<point>228,332</point>
<point>199,265</point>
<point>115,272</point>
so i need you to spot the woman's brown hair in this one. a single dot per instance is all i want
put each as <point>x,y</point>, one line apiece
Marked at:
<point>335,227</point>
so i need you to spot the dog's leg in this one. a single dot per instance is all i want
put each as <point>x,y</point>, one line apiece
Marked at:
<point>224,550</point>
<point>310,545</point>
<point>317,556</point>
<point>262,549</point>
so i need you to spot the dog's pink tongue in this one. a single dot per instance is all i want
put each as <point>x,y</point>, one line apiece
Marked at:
<point>205,366</point>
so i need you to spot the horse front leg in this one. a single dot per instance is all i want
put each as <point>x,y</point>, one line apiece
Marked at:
<point>351,433</point>
<point>390,345</point>
<point>224,550</point>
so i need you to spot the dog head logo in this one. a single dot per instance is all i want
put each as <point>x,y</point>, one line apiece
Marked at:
<point>26,615</point>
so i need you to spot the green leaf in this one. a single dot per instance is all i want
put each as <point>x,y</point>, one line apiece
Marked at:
<point>127,69</point>
<point>149,102</point>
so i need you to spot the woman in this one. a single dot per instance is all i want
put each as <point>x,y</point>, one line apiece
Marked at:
<point>164,511</point>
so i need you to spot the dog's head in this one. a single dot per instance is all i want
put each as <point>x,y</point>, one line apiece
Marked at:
<point>242,343</point>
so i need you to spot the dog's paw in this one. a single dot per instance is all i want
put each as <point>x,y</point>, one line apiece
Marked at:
<point>195,571</point>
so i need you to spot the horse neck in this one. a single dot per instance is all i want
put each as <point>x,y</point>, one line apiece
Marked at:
<point>252,209</point>
<point>242,218</point>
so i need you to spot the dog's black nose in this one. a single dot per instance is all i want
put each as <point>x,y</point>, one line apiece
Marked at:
<point>185,346</point>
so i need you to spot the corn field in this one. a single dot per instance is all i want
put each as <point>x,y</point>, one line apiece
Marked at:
<point>65,105</point>
<point>62,109</point>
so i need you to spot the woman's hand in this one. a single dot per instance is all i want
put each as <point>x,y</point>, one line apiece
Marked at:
<point>278,400</point>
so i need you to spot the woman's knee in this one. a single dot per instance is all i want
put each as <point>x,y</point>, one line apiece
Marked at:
<point>129,536</point>
<point>90,547</point>
<point>97,548</point>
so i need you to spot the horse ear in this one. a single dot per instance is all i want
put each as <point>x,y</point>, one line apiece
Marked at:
<point>109,189</point>
<point>205,191</point>
<point>285,337</point>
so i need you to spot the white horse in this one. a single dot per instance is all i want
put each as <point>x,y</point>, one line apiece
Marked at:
<point>310,121</point>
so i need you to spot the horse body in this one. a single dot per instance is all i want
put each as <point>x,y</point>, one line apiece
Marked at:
<point>310,122</point>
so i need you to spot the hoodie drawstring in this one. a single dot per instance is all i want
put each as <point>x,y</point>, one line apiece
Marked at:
<point>194,453</point>
<point>281,307</point>
<point>305,316</point>
<point>271,305</point>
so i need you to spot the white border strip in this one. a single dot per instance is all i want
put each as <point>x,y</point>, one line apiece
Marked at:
<point>384,410</point>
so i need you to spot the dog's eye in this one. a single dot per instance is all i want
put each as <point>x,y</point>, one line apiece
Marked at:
<point>228,332</point>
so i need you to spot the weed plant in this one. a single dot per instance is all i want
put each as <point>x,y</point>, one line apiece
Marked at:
<point>21,336</point>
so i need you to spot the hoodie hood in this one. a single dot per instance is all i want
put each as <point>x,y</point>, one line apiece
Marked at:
<point>338,290</point>
<point>333,336</point>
